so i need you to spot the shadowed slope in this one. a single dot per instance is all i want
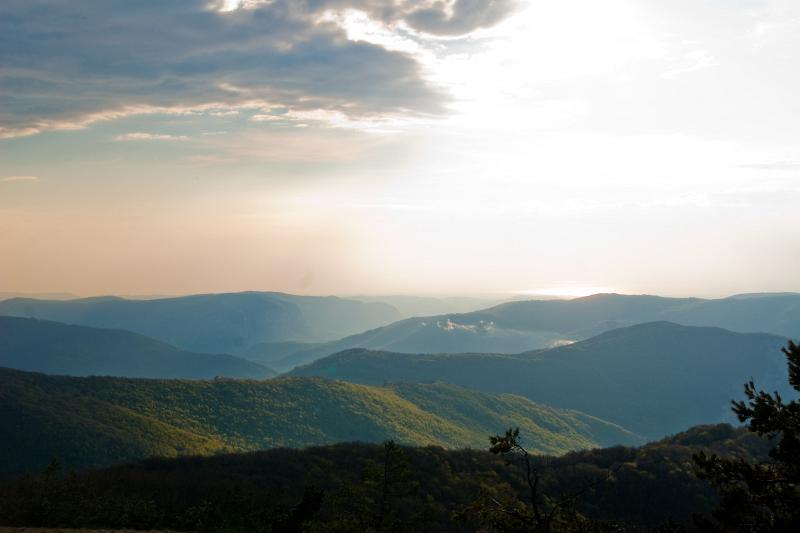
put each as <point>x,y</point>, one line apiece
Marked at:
<point>653,378</point>
<point>55,348</point>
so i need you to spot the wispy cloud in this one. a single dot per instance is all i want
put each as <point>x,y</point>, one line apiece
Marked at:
<point>8,179</point>
<point>150,137</point>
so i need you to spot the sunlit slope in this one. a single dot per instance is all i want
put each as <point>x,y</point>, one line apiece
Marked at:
<point>91,421</point>
<point>45,418</point>
<point>653,378</point>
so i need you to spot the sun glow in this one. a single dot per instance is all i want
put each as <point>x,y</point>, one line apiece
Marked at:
<point>570,292</point>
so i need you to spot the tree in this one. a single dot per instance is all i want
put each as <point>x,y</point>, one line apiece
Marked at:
<point>762,496</point>
<point>385,499</point>
<point>538,512</point>
<point>395,481</point>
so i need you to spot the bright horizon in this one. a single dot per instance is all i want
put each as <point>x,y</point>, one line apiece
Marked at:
<point>534,148</point>
<point>491,298</point>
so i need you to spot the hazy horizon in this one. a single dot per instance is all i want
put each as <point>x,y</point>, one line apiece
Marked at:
<point>356,148</point>
<point>490,298</point>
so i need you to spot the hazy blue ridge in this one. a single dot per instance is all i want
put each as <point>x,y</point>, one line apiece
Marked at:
<point>215,323</point>
<point>526,325</point>
<point>56,348</point>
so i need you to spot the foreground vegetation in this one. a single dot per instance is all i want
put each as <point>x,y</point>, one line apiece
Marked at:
<point>370,487</point>
<point>762,496</point>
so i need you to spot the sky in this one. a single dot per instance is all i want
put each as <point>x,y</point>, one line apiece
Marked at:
<point>404,147</point>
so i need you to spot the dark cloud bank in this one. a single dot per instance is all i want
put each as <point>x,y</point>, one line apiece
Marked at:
<point>63,63</point>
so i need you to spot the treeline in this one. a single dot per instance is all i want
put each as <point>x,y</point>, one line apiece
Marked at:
<point>369,487</point>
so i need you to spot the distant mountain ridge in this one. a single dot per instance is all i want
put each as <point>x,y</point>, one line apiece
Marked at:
<point>416,306</point>
<point>56,348</point>
<point>40,296</point>
<point>96,421</point>
<point>654,378</point>
<point>515,327</point>
<point>284,331</point>
<point>215,323</point>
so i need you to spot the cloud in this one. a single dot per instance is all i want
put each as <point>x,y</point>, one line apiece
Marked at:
<point>388,123</point>
<point>150,137</point>
<point>9,179</point>
<point>460,17</point>
<point>482,327</point>
<point>694,61</point>
<point>776,165</point>
<point>65,65</point>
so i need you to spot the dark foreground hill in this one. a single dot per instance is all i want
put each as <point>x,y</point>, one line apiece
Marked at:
<point>520,326</point>
<point>215,323</point>
<point>56,348</point>
<point>87,422</point>
<point>345,487</point>
<point>653,378</point>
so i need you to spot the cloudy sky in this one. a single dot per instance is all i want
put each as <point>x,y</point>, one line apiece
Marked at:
<point>366,146</point>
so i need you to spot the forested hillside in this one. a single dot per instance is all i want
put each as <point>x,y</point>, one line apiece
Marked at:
<point>56,348</point>
<point>654,378</point>
<point>344,487</point>
<point>86,422</point>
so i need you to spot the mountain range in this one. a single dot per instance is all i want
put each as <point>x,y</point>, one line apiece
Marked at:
<point>525,325</point>
<point>654,379</point>
<point>215,323</point>
<point>619,383</point>
<point>283,331</point>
